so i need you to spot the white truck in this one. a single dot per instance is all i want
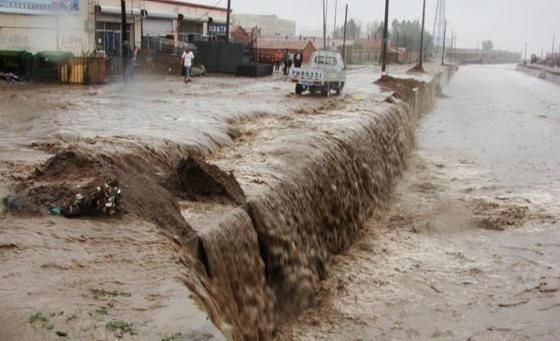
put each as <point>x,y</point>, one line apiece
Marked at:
<point>325,72</point>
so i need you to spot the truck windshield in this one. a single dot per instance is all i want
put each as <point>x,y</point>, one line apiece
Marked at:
<point>325,60</point>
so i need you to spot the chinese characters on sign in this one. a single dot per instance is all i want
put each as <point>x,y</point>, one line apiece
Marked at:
<point>215,29</point>
<point>44,7</point>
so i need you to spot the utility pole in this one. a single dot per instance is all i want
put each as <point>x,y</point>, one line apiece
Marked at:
<point>124,62</point>
<point>324,26</point>
<point>385,39</point>
<point>335,12</point>
<point>397,44</point>
<point>553,47</point>
<point>444,38</point>
<point>57,31</point>
<point>421,62</point>
<point>228,18</point>
<point>344,38</point>
<point>452,54</point>
<point>525,61</point>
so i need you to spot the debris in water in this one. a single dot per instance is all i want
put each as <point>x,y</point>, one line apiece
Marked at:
<point>57,211</point>
<point>101,200</point>
<point>9,77</point>
<point>61,333</point>
<point>13,203</point>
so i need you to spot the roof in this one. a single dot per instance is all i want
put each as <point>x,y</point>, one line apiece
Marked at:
<point>282,44</point>
<point>190,4</point>
<point>374,44</point>
<point>235,28</point>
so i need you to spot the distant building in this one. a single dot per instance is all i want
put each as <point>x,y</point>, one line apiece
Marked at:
<point>369,51</point>
<point>269,26</point>
<point>240,35</point>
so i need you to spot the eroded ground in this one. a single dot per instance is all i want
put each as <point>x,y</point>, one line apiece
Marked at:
<point>128,276</point>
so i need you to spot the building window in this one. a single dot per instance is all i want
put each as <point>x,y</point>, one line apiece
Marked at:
<point>108,37</point>
<point>190,31</point>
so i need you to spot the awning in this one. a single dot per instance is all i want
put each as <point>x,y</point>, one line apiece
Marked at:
<point>220,21</point>
<point>191,18</point>
<point>161,15</point>
<point>114,10</point>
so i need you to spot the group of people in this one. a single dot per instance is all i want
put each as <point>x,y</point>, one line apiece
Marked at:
<point>288,60</point>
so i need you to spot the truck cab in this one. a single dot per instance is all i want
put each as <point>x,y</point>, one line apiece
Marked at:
<point>325,72</point>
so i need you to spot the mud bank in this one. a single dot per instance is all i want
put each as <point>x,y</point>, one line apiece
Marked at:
<point>269,210</point>
<point>542,72</point>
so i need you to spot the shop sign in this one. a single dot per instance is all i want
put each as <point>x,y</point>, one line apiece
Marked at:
<point>41,7</point>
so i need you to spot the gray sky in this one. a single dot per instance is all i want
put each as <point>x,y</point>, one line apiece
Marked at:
<point>508,23</point>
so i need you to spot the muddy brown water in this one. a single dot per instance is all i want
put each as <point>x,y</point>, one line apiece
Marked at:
<point>306,165</point>
<point>469,247</point>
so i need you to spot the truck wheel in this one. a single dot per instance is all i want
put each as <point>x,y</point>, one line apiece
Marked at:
<point>313,90</point>
<point>325,90</point>
<point>299,89</point>
<point>339,88</point>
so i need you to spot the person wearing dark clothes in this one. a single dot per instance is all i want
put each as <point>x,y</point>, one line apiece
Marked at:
<point>290,63</point>
<point>287,61</point>
<point>128,62</point>
<point>298,60</point>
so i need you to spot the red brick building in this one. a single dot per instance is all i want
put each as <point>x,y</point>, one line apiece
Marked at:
<point>240,36</point>
<point>268,48</point>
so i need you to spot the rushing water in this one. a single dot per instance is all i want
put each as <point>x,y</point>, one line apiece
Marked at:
<point>432,271</point>
<point>502,120</point>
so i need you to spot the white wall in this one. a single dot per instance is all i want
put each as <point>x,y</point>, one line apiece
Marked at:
<point>69,31</point>
<point>269,25</point>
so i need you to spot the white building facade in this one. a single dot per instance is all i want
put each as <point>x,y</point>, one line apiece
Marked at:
<point>269,26</point>
<point>82,26</point>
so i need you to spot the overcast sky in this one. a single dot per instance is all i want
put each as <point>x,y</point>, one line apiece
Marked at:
<point>508,23</point>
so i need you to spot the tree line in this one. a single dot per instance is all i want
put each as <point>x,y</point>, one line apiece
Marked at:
<point>405,33</point>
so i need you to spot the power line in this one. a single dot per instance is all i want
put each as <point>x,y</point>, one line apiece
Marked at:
<point>213,8</point>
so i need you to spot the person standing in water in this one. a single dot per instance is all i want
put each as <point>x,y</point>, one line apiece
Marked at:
<point>298,59</point>
<point>187,59</point>
<point>128,62</point>
<point>287,61</point>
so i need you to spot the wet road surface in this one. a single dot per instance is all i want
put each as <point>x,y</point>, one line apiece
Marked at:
<point>469,247</point>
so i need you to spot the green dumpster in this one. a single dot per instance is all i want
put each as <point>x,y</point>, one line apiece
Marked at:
<point>46,64</point>
<point>19,62</point>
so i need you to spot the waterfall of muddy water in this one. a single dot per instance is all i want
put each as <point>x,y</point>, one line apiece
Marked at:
<point>469,247</point>
<point>230,252</point>
<point>311,181</point>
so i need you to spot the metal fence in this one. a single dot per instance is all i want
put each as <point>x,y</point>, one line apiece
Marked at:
<point>83,70</point>
<point>165,46</point>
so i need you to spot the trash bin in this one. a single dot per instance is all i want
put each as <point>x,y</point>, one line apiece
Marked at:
<point>46,64</point>
<point>18,62</point>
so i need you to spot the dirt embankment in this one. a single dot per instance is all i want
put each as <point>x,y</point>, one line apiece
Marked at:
<point>264,217</point>
<point>540,71</point>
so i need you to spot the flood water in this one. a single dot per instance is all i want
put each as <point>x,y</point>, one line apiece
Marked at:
<point>503,120</point>
<point>468,248</point>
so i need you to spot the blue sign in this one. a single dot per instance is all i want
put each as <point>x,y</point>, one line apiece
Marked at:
<point>215,28</point>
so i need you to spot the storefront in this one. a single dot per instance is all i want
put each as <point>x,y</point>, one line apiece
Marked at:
<point>191,28</point>
<point>84,26</point>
